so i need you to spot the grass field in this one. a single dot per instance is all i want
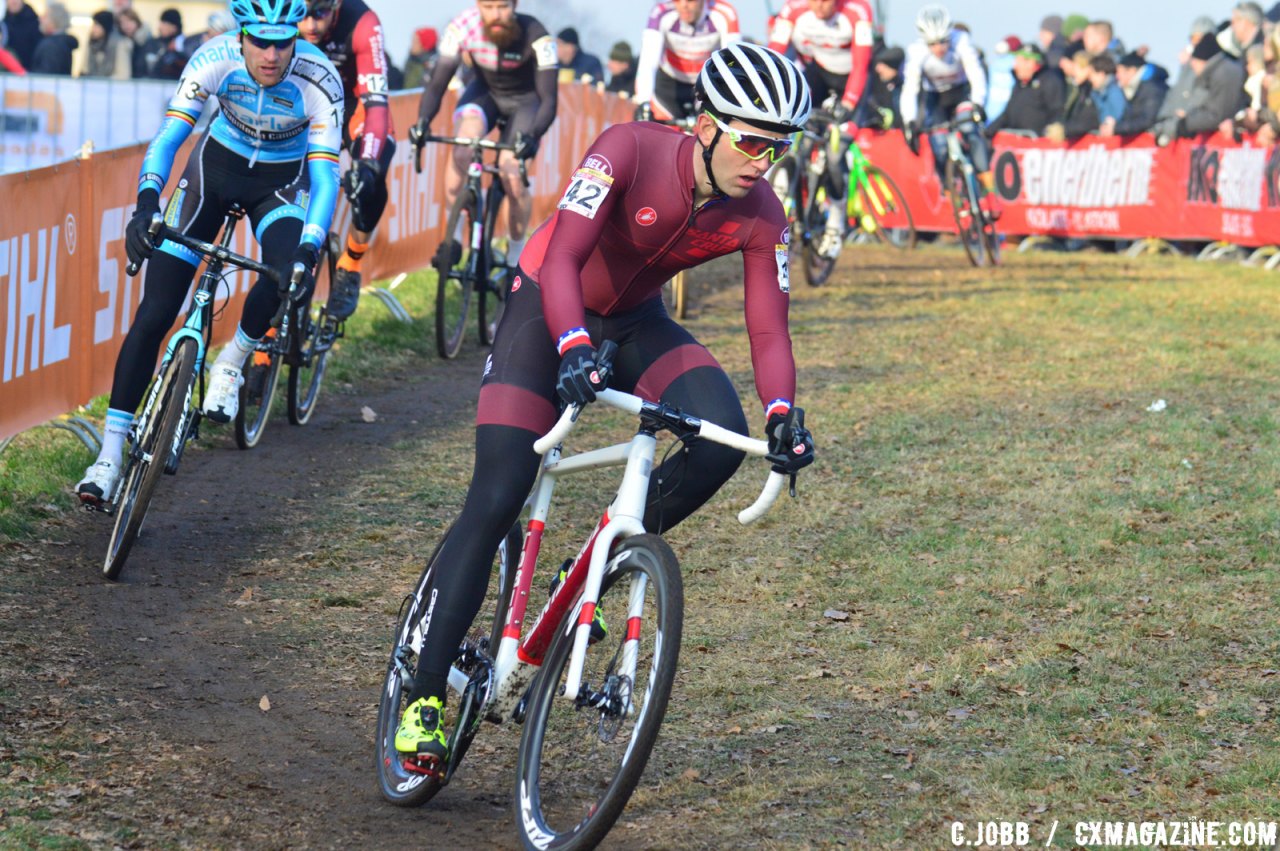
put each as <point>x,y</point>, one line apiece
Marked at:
<point>1015,586</point>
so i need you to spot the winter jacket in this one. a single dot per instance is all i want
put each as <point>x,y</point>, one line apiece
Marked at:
<point>1081,117</point>
<point>53,54</point>
<point>24,34</point>
<point>1035,104</point>
<point>1144,104</point>
<point>110,57</point>
<point>1218,94</point>
<point>1109,101</point>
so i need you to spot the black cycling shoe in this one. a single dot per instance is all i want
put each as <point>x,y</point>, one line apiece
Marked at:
<point>344,294</point>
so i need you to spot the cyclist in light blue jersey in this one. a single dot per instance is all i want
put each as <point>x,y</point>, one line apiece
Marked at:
<point>273,149</point>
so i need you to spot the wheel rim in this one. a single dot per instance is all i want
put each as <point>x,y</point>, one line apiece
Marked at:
<point>455,270</point>
<point>307,372</point>
<point>257,393</point>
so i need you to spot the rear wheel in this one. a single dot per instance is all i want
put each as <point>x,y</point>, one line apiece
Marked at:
<point>403,780</point>
<point>147,457</point>
<point>964,206</point>
<point>885,210</point>
<point>457,267</point>
<point>258,390</point>
<point>580,759</point>
<point>817,266</point>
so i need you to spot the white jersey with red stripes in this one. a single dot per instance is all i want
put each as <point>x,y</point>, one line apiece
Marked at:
<point>678,49</point>
<point>832,42</point>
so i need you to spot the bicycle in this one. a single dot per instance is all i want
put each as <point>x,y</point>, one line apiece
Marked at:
<point>466,260</point>
<point>803,185</point>
<point>169,419</point>
<point>305,348</point>
<point>590,709</point>
<point>875,204</point>
<point>976,229</point>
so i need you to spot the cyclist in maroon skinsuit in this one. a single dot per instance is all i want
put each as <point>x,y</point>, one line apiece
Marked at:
<point>350,34</point>
<point>646,202</point>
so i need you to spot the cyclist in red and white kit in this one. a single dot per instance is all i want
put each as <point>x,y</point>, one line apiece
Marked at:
<point>681,35</point>
<point>834,41</point>
<point>350,34</point>
<point>515,61</point>
<point>646,202</point>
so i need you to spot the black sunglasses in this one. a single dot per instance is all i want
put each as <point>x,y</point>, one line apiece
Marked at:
<point>268,43</point>
<point>319,11</point>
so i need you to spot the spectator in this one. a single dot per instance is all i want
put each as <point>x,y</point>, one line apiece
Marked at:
<point>1144,87</point>
<point>1039,95</point>
<point>423,55</point>
<point>132,28</point>
<point>110,54</point>
<point>166,53</point>
<point>53,53</point>
<point>1106,94</point>
<point>884,92</point>
<point>575,63</point>
<point>9,63</point>
<point>1081,113</point>
<point>622,70</point>
<point>1073,32</point>
<point>219,22</point>
<point>1179,94</point>
<point>24,30</point>
<point>1099,38</point>
<point>1000,75</point>
<point>1244,30</point>
<point>1218,92</point>
<point>1052,42</point>
<point>1250,118</point>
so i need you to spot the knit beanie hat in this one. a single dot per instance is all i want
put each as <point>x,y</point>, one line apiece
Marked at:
<point>1052,23</point>
<point>1206,48</point>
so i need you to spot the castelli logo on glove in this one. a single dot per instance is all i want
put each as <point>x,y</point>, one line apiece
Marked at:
<point>646,216</point>
<point>798,449</point>
<point>515,285</point>
<point>595,377</point>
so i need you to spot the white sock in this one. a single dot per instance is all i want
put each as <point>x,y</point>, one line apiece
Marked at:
<point>114,434</point>
<point>237,350</point>
<point>514,247</point>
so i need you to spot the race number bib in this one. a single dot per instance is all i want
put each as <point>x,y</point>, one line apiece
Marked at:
<point>587,190</point>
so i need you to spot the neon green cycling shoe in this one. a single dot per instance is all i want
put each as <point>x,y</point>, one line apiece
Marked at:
<point>421,730</point>
<point>599,629</point>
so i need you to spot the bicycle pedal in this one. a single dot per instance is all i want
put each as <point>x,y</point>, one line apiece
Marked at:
<point>422,764</point>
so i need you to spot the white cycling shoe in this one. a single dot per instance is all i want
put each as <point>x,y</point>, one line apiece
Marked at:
<point>830,243</point>
<point>222,401</point>
<point>99,483</point>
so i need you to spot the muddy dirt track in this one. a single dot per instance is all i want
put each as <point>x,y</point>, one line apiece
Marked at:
<point>162,675</point>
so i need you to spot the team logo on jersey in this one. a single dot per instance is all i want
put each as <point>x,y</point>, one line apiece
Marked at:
<point>786,235</point>
<point>595,162</point>
<point>646,216</point>
<point>515,285</point>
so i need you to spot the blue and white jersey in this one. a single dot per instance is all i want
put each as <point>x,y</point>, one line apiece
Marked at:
<point>301,116</point>
<point>924,71</point>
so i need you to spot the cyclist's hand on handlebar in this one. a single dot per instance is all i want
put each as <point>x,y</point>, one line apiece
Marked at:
<point>841,112</point>
<point>790,443</point>
<point>417,138</point>
<point>911,133</point>
<point>579,376</point>
<point>360,181</point>
<point>526,145</point>
<point>306,254</point>
<point>137,234</point>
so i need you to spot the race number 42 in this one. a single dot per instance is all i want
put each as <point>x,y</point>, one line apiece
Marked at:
<point>587,191</point>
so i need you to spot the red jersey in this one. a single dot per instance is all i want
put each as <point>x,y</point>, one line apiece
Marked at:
<point>354,44</point>
<point>626,224</point>
<point>840,45</point>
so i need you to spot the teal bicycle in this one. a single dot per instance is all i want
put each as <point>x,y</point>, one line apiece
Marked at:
<point>170,417</point>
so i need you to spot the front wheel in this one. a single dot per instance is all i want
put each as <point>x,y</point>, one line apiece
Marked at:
<point>818,266</point>
<point>402,780</point>
<point>968,216</point>
<point>457,266</point>
<point>498,270</point>
<point>258,391</point>
<point>883,210</point>
<point>309,355</point>
<point>581,758</point>
<point>156,443</point>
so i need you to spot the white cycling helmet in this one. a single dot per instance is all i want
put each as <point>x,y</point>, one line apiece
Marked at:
<point>756,85</point>
<point>934,23</point>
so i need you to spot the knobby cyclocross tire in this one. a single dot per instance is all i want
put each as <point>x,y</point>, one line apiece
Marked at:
<point>494,282</point>
<point>991,240</point>
<point>309,343</point>
<point>817,268</point>
<point>399,785</point>
<point>964,207</point>
<point>578,766</point>
<point>146,460</point>
<point>258,391</point>
<point>456,267</point>
<point>882,200</point>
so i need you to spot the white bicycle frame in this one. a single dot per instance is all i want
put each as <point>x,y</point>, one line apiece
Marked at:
<point>514,665</point>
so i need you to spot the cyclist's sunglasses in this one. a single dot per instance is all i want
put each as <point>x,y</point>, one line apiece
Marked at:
<point>754,147</point>
<point>268,43</point>
<point>320,11</point>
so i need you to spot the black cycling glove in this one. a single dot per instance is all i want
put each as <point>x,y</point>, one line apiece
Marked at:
<point>526,146</point>
<point>790,444</point>
<point>306,254</point>
<point>360,181</point>
<point>137,234</point>
<point>579,377</point>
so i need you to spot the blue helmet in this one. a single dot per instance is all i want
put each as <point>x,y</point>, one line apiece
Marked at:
<point>269,18</point>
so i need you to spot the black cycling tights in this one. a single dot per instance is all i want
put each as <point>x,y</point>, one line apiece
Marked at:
<point>505,469</point>
<point>167,282</point>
